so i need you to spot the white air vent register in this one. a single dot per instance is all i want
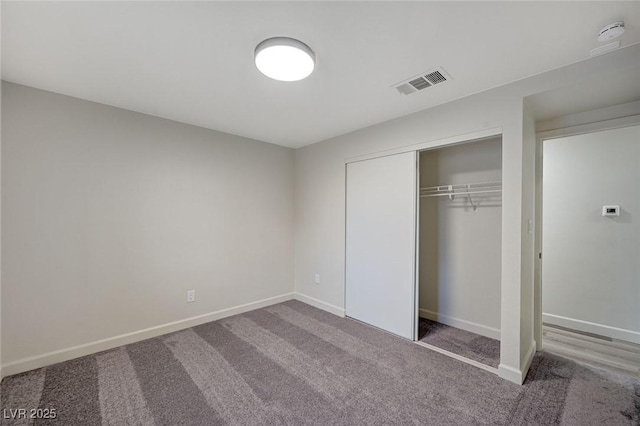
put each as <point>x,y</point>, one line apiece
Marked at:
<point>422,81</point>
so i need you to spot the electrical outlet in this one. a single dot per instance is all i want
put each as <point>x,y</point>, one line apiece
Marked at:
<point>317,279</point>
<point>191,296</point>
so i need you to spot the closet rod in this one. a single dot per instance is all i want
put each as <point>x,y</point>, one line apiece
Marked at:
<point>463,186</point>
<point>466,189</point>
<point>444,194</point>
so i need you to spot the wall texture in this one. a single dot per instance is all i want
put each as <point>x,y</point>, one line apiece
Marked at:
<point>110,216</point>
<point>460,248</point>
<point>590,269</point>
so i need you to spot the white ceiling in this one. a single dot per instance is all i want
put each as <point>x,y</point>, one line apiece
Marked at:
<point>611,88</point>
<point>193,61</point>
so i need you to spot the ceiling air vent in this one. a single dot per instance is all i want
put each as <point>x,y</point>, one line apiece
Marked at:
<point>422,81</point>
<point>419,83</point>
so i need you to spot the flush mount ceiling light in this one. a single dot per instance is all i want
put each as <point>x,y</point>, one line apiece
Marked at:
<point>284,59</point>
<point>611,31</point>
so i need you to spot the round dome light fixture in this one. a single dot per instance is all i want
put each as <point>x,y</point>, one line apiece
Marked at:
<point>611,31</point>
<point>284,59</point>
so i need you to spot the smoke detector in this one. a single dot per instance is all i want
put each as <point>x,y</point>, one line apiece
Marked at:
<point>611,31</point>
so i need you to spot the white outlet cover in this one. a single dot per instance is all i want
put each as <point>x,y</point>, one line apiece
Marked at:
<point>317,279</point>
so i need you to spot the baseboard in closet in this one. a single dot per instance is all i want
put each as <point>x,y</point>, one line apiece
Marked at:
<point>473,327</point>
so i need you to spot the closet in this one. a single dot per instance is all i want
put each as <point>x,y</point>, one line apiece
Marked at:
<point>423,246</point>
<point>460,249</point>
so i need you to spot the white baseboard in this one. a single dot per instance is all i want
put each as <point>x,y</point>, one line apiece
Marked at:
<point>38,361</point>
<point>592,327</point>
<point>470,326</point>
<point>319,304</point>
<point>511,374</point>
<point>516,375</point>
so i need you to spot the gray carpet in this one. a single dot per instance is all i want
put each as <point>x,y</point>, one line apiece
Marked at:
<point>460,342</point>
<point>294,364</point>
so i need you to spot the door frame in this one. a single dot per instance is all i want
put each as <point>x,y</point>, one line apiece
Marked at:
<point>541,137</point>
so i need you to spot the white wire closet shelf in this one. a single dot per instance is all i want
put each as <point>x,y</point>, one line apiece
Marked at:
<point>465,189</point>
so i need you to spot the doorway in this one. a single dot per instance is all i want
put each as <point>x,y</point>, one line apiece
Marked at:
<point>590,245</point>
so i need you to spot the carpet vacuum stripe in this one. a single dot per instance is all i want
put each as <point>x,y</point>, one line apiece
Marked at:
<point>222,386</point>
<point>170,393</point>
<point>121,398</point>
<point>293,364</point>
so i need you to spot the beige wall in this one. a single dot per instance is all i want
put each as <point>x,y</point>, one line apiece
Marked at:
<point>110,216</point>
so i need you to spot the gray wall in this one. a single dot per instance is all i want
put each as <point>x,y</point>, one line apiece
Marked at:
<point>591,268</point>
<point>110,216</point>
<point>460,248</point>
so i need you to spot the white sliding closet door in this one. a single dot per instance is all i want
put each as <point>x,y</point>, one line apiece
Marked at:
<point>381,243</point>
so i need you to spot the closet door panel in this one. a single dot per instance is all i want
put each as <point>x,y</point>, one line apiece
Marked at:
<point>381,242</point>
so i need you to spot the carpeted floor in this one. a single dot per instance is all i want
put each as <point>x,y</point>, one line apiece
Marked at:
<point>461,342</point>
<point>294,364</point>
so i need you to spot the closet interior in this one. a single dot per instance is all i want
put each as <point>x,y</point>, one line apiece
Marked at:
<point>460,249</point>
